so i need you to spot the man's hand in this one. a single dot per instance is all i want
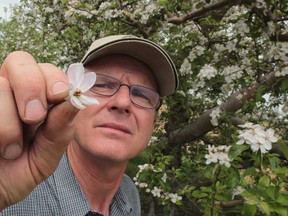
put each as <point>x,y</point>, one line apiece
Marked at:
<point>36,124</point>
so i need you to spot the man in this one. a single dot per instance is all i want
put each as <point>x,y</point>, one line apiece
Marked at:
<point>100,139</point>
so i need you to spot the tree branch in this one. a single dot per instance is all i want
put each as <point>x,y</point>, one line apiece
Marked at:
<point>204,9</point>
<point>229,204</point>
<point>234,102</point>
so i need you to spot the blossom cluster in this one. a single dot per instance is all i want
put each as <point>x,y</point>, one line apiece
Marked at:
<point>257,137</point>
<point>215,115</point>
<point>283,72</point>
<point>157,192</point>
<point>207,71</point>
<point>218,154</point>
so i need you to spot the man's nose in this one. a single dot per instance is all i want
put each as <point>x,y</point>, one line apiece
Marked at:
<point>121,100</point>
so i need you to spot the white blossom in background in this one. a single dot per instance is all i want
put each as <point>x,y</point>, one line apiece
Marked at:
<point>196,51</point>
<point>237,191</point>
<point>156,192</point>
<point>257,137</point>
<point>241,27</point>
<point>80,82</point>
<point>231,46</point>
<point>234,13</point>
<point>153,139</point>
<point>215,115</point>
<point>207,71</point>
<point>283,72</point>
<point>185,67</point>
<point>278,52</point>
<point>164,177</point>
<point>218,154</point>
<point>231,73</point>
<point>174,197</point>
<point>141,185</point>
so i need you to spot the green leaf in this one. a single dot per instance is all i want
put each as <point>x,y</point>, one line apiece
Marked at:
<point>273,192</point>
<point>206,189</point>
<point>250,198</point>
<point>249,210</point>
<point>274,161</point>
<point>264,181</point>
<point>284,85</point>
<point>199,194</point>
<point>250,171</point>
<point>284,148</point>
<point>265,207</point>
<point>283,211</point>
<point>282,199</point>
<point>260,93</point>
<point>281,170</point>
<point>236,150</point>
<point>162,2</point>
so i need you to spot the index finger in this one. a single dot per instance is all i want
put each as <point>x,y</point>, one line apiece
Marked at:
<point>28,85</point>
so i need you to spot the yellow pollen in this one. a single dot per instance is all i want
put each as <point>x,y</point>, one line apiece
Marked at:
<point>77,92</point>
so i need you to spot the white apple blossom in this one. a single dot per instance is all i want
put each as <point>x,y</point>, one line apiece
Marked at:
<point>283,72</point>
<point>231,73</point>
<point>185,67</point>
<point>156,192</point>
<point>241,27</point>
<point>207,71</point>
<point>215,115</point>
<point>174,197</point>
<point>143,185</point>
<point>231,46</point>
<point>164,177</point>
<point>218,154</point>
<point>80,82</point>
<point>257,137</point>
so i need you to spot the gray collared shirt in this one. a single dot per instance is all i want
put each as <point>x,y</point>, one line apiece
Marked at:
<point>61,195</point>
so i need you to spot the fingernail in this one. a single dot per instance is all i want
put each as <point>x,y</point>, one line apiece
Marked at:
<point>12,151</point>
<point>34,110</point>
<point>59,87</point>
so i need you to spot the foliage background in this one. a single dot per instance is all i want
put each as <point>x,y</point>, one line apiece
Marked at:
<point>231,57</point>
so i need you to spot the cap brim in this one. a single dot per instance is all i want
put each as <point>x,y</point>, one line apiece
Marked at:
<point>146,51</point>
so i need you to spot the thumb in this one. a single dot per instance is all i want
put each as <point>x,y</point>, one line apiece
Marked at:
<point>52,139</point>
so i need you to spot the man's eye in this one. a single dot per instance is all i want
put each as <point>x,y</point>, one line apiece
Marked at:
<point>140,95</point>
<point>101,85</point>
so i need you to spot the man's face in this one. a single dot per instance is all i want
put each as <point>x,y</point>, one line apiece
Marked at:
<point>116,129</point>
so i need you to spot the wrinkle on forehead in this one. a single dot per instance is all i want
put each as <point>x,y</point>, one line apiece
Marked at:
<point>125,62</point>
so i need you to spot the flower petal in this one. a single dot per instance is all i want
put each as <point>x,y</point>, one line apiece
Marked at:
<point>75,74</point>
<point>88,81</point>
<point>88,100</point>
<point>76,102</point>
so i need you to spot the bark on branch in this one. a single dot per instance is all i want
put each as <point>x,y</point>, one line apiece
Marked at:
<point>229,204</point>
<point>204,9</point>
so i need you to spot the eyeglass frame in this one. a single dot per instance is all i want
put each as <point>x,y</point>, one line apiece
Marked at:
<point>156,107</point>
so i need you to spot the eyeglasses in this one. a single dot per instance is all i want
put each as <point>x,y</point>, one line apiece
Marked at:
<point>139,95</point>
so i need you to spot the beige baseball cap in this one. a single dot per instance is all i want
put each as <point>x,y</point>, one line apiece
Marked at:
<point>146,51</point>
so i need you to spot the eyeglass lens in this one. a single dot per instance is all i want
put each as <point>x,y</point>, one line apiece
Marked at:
<point>139,95</point>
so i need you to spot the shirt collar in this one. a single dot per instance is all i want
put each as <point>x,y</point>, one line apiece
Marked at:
<point>121,201</point>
